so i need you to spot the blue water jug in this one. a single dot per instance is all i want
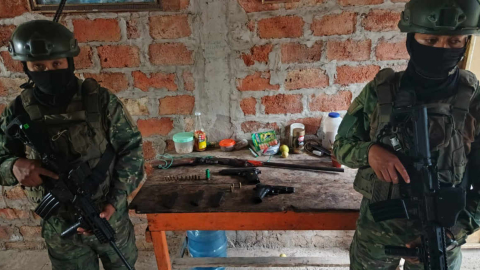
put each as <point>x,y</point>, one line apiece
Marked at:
<point>207,244</point>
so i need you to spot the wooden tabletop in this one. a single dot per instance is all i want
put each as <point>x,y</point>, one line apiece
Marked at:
<point>314,191</point>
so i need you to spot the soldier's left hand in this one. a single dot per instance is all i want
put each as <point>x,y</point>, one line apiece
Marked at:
<point>107,213</point>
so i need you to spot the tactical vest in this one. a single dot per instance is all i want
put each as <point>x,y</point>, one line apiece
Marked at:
<point>449,143</point>
<point>77,135</point>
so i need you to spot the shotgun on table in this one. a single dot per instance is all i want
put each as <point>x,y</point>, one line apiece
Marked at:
<point>242,163</point>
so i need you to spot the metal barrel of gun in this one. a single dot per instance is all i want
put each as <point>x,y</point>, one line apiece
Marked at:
<point>120,254</point>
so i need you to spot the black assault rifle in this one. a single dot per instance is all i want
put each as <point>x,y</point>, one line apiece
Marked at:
<point>73,188</point>
<point>436,207</point>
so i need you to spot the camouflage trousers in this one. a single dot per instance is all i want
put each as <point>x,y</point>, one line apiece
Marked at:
<point>80,252</point>
<point>367,248</point>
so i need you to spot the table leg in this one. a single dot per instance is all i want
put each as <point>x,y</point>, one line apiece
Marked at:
<point>160,246</point>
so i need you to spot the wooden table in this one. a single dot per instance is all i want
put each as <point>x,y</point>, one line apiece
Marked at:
<point>322,201</point>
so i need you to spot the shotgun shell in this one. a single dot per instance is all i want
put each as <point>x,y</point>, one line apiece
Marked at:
<point>207,174</point>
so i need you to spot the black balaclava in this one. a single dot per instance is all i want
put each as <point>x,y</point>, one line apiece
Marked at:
<point>432,72</point>
<point>54,87</point>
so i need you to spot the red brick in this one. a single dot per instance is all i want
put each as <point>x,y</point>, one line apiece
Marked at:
<point>329,103</point>
<point>312,124</point>
<point>251,25</point>
<point>381,20</point>
<point>257,6</point>
<point>281,27</point>
<point>300,53</point>
<point>282,104</point>
<point>176,105</point>
<point>13,8</point>
<point>9,213</point>
<point>132,29</point>
<point>175,5</point>
<point>170,146</point>
<point>335,24</point>
<point>148,150</point>
<point>306,78</point>
<point>115,82</point>
<point>259,81</point>
<point>169,27</point>
<point>118,56</point>
<point>26,245</point>
<point>10,64</point>
<point>5,32</point>
<point>149,169</point>
<point>31,232</point>
<point>349,50</point>
<point>170,54</point>
<point>347,74</point>
<point>248,106</point>
<point>10,85</point>
<point>97,30</point>
<point>84,59</point>
<point>184,4</point>
<point>6,232</point>
<point>254,126</point>
<point>359,2</point>
<point>152,126</point>
<point>392,50</point>
<point>258,53</point>
<point>15,193</point>
<point>303,3</point>
<point>154,80</point>
<point>188,81</point>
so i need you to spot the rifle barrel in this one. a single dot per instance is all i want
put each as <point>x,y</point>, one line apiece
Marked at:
<point>120,254</point>
<point>304,167</point>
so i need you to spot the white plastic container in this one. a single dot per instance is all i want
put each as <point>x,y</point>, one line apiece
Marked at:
<point>183,142</point>
<point>330,129</point>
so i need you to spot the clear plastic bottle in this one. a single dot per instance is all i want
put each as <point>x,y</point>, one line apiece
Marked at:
<point>200,135</point>
<point>207,244</point>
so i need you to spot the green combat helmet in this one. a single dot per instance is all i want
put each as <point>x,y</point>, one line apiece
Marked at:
<point>441,17</point>
<point>42,40</point>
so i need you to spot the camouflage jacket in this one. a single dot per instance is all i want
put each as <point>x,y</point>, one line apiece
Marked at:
<point>354,141</point>
<point>121,132</point>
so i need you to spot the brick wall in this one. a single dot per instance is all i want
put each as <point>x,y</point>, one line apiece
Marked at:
<point>246,66</point>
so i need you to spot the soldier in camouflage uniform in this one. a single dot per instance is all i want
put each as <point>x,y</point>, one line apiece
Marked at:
<point>84,122</point>
<point>438,31</point>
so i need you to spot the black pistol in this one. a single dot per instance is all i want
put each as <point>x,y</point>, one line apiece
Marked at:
<point>249,174</point>
<point>264,190</point>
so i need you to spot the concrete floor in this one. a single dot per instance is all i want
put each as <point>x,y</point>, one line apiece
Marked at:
<point>38,260</point>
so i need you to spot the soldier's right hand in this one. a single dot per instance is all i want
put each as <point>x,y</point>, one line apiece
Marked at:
<point>28,172</point>
<point>386,165</point>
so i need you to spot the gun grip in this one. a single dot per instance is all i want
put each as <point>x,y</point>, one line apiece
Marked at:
<point>253,179</point>
<point>260,193</point>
